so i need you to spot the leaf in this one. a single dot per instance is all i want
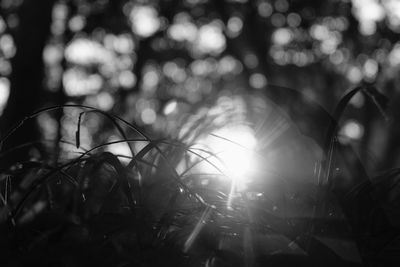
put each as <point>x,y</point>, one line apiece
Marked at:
<point>380,100</point>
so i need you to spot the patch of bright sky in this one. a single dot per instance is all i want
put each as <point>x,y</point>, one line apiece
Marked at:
<point>103,101</point>
<point>370,69</point>
<point>354,74</point>
<point>145,20</point>
<point>351,130</point>
<point>282,36</point>
<point>175,72</point>
<point>393,12</point>
<point>52,54</point>
<point>68,122</point>
<point>48,125</point>
<point>126,79</point>
<point>84,51</point>
<point>121,149</point>
<point>114,59</point>
<point>229,64</point>
<point>210,38</point>
<point>207,38</point>
<point>330,39</point>
<point>122,43</point>
<point>183,29</point>
<point>151,78</point>
<point>7,46</point>
<point>170,107</point>
<point>77,23</point>
<point>201,67</point>
<point>78,83</point>
<point>148,115</point>
<point>368,13</point>
<point>4,93</point>
<point>394,55</point>
<point>234,26</point>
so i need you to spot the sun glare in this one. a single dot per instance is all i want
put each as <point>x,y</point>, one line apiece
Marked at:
<point>233,148</point>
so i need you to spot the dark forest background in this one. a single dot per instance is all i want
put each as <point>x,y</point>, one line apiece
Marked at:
<point>139,59</point>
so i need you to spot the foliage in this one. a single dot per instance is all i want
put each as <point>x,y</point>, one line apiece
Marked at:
<point>108,171</point>
<point>98,208</point>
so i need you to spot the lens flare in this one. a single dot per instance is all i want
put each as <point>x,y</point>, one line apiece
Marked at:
<point>233,148</point>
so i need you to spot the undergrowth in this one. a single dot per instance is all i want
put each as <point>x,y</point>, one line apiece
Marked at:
<point>103,209</point>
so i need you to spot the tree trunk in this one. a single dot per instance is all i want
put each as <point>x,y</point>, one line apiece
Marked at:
<point>27,76</point>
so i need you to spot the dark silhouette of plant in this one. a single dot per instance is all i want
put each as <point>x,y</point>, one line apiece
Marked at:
<point>94,209</point>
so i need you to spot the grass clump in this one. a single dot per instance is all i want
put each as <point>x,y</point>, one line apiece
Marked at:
<point>104,209</point>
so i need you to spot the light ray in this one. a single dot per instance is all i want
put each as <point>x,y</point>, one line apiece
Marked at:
<point>200,224</point>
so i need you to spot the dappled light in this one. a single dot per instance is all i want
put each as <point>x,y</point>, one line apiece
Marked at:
<point>199,133</point>
<point>144,19</point>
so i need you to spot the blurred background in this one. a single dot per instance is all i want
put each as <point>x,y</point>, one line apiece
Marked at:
<point>239,89</point>
<point>162,64</point>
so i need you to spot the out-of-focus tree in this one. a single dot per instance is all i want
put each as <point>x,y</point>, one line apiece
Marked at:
<point>23,42</point>
<point>154,62</point>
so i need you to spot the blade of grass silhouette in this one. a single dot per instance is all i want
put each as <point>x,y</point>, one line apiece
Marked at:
<point>152,144</point>
<point>172,169</point>
<point>379,99</point>
<point>7,189</point>
<point>150,164</point>
<point>119,166</point>
<point>123,180</point>
<point>195,164</point>
<point>42,179</point>
<point>228,140</point>
<point>119,128</point>
<point>40,165</point>
<point>87,152</point>
<point>38,182</point>
<point>190,150</point>
<point>199,174</point>
<point>214,155</point>
<point>116,118</point>
<point>200,123</point>
<point>204,122</point>
<point>331,132</point>
<point>27,144</point>
<point>78,131</point>
<point>142,153</point>
<point>364,186</point>
<point>113,119</point>
<point>285,96</point>
<point>357,205</point>
<point>3,200</point>
<point>324,138</point>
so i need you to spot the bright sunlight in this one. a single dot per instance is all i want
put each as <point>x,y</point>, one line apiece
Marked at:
<point>233,149</point>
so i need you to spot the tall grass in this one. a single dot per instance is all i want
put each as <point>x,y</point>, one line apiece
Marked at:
<point>99,209</point>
